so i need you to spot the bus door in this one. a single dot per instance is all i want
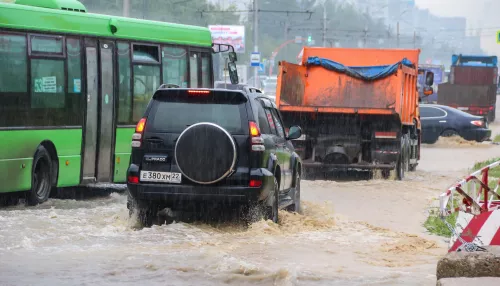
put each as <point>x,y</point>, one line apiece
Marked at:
<point>99,132</point>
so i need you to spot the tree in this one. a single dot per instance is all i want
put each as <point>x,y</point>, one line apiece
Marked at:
<point>187,12</point>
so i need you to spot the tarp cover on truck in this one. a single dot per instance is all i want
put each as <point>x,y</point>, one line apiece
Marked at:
<point>468,60</point>
<point>366,73</point>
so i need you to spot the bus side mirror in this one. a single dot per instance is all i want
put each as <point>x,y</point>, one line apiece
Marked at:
<point>429,79</point>
<point>232,57</point>
<point>233,72</point>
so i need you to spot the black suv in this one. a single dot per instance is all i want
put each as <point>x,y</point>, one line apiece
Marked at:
<point>197,146</point>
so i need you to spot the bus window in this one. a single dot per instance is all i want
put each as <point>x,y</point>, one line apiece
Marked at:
<point>124,91</point>
<point>13,79</point>
<point>175,66</point>
<point>205,70</point>
<point>74,65</point>
<point>51,45</point>
<point>14,64</point>
<point>47,82</point>
<point>146,53</point>
<point>74,95</point>
<point>193,70</point>
<point>146,82</point>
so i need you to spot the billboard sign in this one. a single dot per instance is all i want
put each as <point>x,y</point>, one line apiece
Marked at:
<point>229,35</point>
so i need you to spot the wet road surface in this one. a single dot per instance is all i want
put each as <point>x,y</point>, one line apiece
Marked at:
<point>351,233</point>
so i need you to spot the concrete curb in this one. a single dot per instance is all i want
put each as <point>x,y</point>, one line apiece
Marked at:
<point>470,264</point>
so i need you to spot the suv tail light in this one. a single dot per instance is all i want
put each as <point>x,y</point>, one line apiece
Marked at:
<point>478,123</point>
<point>133,179</point>
<point>257,141</point>
<point>139,131</point>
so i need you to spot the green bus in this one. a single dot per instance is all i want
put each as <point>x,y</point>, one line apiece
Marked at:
<point>74,84</point>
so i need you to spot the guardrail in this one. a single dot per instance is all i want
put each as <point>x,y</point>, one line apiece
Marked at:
<point>476,198</point>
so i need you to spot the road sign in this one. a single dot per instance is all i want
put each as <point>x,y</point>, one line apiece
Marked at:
<point>298,39</point>
<point>255,59</point>
<point>498,37</point>
<point>261,68</point>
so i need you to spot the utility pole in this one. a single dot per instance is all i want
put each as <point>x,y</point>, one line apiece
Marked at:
<point>414,39</point>
<point>286,37</point>
<point>126,8</point>
<point>324,24</point>
<point>397,34</point>
<point>145,7</point>
<point>256,36</point>
<point>365,31</point>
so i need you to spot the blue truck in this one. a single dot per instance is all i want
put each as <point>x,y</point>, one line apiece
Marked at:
<point>439,77</point>
<point>472,85</point>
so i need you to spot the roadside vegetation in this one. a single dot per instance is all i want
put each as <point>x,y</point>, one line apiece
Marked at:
<point>434,223</point>
<point>493,172</point>
<point>496,139</point>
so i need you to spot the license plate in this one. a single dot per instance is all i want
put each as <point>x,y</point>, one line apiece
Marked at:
<point>463,108</point>
<point>161,177</point>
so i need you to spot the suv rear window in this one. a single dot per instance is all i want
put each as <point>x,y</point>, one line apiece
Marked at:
<point>176,110</point>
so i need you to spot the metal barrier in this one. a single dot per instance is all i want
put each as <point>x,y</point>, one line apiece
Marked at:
<point>477,201</point>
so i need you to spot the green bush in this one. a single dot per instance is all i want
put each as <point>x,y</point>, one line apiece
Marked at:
<point>435,225</point>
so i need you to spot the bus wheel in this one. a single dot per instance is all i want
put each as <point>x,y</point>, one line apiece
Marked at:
<point>40,178</point>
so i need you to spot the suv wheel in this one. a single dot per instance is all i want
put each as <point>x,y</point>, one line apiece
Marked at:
<point>271,212</point>
<point>296,200</point>
<point>145,211</point>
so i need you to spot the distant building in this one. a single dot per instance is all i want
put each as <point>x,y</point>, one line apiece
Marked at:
<point>376,9</point>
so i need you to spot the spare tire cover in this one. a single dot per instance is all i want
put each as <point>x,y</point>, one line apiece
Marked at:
<point>205,153</point>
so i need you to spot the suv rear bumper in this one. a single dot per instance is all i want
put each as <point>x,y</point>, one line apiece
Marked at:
<point>174,193</point>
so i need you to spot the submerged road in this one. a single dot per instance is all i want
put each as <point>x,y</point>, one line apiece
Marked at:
<point>351,233</point>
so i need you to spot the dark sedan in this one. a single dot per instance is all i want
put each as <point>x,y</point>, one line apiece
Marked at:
<point>440,120</point>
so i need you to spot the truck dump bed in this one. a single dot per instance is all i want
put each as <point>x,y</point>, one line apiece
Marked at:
<point>462,95</point>
<point>314,88</point>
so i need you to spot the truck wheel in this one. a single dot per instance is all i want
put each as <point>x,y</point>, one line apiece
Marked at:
<point>41,175</point>
<point>407,152</point>
<point>413,155</point>
<point>400,165</point>
<point>386,174</point>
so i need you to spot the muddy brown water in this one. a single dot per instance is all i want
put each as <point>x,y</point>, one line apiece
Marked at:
<point>350,233</point>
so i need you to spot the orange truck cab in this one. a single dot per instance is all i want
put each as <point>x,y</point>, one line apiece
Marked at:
<point>358,108</point>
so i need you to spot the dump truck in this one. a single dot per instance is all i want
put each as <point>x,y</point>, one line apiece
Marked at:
<point>472,85</point>
<point>358,108</point>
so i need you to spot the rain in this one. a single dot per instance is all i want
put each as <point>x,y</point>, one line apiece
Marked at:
<point>392,102</point>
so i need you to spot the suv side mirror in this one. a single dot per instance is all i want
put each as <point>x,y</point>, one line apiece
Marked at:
<point>429,79</point>
<point>294,133</point>
<point>233,72</point>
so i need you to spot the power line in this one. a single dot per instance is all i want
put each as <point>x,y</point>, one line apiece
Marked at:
<point>258,11</point>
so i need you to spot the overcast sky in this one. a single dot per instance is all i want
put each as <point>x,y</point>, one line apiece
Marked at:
<point>483,14</point>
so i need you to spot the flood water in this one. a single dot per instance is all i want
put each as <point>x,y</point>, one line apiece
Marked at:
<point>351,233</point>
